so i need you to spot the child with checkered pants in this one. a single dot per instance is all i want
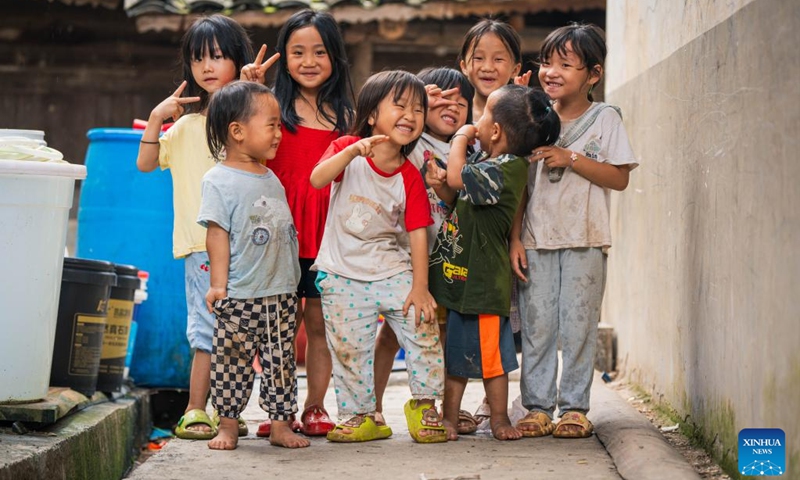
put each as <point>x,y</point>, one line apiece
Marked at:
<point>253,250</point>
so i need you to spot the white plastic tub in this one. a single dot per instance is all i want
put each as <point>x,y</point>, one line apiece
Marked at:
<point>35,198</point>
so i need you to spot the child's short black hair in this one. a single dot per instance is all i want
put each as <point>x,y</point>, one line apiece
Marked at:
<point>381,85</point>
<point>526,117</point>
<point>447,78</point>
<point>235,102</point>
<point>232,40</point>
<point>587,42</point>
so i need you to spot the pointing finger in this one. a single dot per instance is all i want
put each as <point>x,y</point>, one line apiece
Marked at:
<point>185,100</point>
<point>376,139</point>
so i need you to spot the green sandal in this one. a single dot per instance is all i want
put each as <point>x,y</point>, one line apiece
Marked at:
<point>362,429</point>
<point>421,417</point>
<point>195,417</point>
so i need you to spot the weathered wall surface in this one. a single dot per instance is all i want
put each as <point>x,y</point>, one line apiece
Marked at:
<point>704,272</point>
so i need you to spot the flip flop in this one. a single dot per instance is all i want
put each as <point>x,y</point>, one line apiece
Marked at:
<point>541,423</point>
<point>574,418</point>
<point>420,417</point>
<point>195,417</point>
<point>243,430</point>
<point>362,429</point>
<point>466,423</point>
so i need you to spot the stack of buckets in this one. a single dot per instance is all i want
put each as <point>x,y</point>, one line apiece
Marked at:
<point>36,191</point>
<point>94,322</point>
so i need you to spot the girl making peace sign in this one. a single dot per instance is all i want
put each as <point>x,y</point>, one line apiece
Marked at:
<point>213,51</point>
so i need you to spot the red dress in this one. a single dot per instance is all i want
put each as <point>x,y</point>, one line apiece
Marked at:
<point>297,156</point>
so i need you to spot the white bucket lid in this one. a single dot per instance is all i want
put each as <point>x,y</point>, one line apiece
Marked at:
<point>32,134</point>
<point>48,169</point>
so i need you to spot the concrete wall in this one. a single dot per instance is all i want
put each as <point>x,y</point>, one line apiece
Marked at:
<point>704,272</point>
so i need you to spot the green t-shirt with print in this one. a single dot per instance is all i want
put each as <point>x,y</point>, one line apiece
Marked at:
<point>469,266</point>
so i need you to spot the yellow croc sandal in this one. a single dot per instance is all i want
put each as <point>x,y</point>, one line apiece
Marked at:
<point>195,417</point>
<point>424,417</point>
<point>362,429</point>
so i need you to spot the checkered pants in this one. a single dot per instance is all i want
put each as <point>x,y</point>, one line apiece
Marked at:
<point>265,326</point>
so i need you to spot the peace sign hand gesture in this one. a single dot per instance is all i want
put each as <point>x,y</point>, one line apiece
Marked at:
<point>438,97</point>
<point>257,71</point>
<point>172,106</point>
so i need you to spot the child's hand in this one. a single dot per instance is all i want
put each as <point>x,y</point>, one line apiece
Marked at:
<point>214,294</point>
<point>435,176</point>
<point>438,97</point>
<point>519,261</point>
<point>523,79</point>
<point>257,71</point>
<point>469,131</point>
<point>424,306</point>
<point>552,156</point>
<point>364,146</point>
<point>172,106</point>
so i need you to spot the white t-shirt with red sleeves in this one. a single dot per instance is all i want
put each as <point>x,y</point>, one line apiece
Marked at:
<point>369,212</point>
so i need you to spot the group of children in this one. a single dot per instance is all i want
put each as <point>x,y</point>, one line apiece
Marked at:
<point>334,214</point>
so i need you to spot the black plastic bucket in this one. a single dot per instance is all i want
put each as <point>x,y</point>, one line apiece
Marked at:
<point>82,308</point>
<point>118,327</point>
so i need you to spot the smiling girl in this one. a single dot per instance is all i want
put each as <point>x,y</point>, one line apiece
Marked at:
<point>377,199</point>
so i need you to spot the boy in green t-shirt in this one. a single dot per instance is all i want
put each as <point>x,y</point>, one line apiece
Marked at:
<point>470,272</point>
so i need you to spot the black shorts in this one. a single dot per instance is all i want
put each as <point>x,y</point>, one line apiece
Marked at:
<point>306,287</point>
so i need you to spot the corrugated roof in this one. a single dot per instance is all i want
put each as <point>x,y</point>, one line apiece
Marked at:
<point>170,14</point>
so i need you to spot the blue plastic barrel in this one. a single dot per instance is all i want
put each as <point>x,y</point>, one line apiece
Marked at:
<point>125,216</point>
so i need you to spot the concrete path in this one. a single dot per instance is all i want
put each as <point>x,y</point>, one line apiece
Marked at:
<point>473,457</point>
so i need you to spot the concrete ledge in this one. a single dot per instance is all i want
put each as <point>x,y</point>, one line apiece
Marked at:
<point>100,442</point>
<point>639,450</point>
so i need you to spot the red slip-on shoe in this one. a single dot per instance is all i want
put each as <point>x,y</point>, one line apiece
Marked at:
<point>316,422</point>
<point>265,428</point>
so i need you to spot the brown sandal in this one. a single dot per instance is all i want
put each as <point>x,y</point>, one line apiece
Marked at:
<point>466,423</point>
<point>540,424</point>
<point>577,419</point>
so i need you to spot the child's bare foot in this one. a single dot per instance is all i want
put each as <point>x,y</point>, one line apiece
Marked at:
<point>503,430</point>
<point>452,431</point>
<point>228,435</point>
<point>283,436</point>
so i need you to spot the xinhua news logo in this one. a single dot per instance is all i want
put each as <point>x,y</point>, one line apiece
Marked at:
<point>762,452</point>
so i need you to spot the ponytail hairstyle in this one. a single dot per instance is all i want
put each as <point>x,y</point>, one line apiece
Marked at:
<point>587,42</point>
<point>526,117</point>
